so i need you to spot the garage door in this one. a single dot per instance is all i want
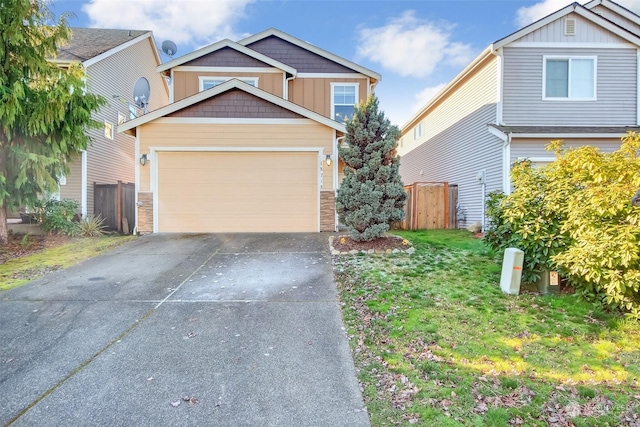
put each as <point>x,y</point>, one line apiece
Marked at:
<point>237,191</point>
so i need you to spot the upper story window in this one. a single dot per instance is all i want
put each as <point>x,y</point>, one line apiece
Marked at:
<point>569,78</point>
<point>108,130</point>
<point>418,131</point>
<point>344,97</point>
<point>209,82</point>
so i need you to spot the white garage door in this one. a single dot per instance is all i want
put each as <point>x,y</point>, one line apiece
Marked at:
<point>237,191</point>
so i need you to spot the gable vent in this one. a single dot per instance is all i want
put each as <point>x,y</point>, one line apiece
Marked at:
<point>570,27</point>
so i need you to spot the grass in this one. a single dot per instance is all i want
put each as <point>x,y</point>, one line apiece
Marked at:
<point>18,271</point>
<point>437,343</point>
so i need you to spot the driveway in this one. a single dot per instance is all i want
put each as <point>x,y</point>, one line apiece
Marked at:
<point>246,327</point>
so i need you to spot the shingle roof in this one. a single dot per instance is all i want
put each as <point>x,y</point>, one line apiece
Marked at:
<point>86,43</point>
<point>545,130</point>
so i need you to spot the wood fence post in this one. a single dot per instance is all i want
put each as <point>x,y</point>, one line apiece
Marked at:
<point>119,207</point>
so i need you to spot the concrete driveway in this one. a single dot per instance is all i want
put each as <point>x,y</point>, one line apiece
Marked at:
<point>246,327</point>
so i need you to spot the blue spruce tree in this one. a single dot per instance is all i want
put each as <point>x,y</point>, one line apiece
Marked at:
<point>371,195</point>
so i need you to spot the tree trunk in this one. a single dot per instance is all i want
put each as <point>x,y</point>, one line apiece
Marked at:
<point>4,235</point>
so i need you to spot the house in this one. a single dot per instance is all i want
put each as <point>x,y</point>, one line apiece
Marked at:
<point>572,75</point>
<point>113,60</point>
<point>249,140</point>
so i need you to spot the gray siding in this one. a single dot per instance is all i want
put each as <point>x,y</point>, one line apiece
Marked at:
<point>297,57</point>
<point>73,188</point>
<point>458,144</point>
<point>586,32</point>
<point>109,161</point>
<point>620,20</point>
<point>226,57</point>
<point>616,89</point>
<point>531,148</point>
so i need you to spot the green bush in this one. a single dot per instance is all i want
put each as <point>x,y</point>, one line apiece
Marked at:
<point>575,216</point>
<point>91,226</point>
<point>58,217</point>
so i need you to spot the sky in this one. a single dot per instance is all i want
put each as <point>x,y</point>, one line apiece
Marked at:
<point>418,46</point>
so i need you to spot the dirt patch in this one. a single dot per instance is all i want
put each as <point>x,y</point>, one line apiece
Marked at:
<point>382,244</point>
<point>27,244</point>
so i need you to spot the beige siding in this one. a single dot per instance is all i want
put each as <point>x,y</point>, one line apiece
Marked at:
<point>315,93</point>
<point>73,188</point>
<point>237,192</point>
<point>586,32</point>
<point>111,160</point>
<point>457,144</point>
<point>187,83</point>
<point>245,135</point>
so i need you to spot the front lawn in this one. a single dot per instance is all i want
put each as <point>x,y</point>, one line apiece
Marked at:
<point>437,343</point>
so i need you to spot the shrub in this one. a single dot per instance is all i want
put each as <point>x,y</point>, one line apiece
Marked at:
<point>91,226</point>
<point>58,217</point>
<point>575,216</point>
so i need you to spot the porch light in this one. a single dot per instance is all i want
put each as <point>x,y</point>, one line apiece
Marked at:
<point>328,159</point>
<point>143,159</point>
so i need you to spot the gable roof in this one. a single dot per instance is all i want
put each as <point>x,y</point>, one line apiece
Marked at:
<point>615,7</point>
<point>273,32</point>
<point>229,85</point>
<point>572,8</point>
<point>226,43</point>
<point>87,44</point>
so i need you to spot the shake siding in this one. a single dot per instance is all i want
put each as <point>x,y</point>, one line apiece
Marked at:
<point>315,93</point>
<point>529,148</point>
<point>74,181</point>
<point>616,89</point>
<point>111,160</point>
<point>586,32</point>
<point>246,135</point>
<point>620,20</point>
<point>457,143</point>
<point>186,83</point>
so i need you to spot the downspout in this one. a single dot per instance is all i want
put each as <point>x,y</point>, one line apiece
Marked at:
<point>506,165</point>
<point>286,86</point>
<point>84,181</point>
<point>336,174</point>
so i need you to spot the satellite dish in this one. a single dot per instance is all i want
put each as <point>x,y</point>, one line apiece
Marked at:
<point>169,48</point>
<point>141,93</point>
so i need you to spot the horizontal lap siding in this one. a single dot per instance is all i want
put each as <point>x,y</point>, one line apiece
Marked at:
<point>457,143</point>
<point>73,188</point>
<point>245,135</point>
<point>616,89</point>
<point>528,148</point>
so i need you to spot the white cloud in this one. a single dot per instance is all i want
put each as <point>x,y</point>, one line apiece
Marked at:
<point>412,47</point>
<point>529,14</point>
<point>186,22</point>
<point>425,95</point>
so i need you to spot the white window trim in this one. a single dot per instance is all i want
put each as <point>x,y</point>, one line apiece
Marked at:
<point>333,85</point>
<point>121,118</point>
<point>108,126</point>
<point>202,79</point>
<point>569,58</point>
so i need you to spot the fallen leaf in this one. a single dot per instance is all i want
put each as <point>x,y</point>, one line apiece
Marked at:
<point>175,404</point>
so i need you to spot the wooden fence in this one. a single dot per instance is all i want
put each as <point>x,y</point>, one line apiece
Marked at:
<point>116,204</point>
<point>430,205</point>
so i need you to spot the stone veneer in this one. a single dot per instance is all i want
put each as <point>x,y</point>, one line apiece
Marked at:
<point>327,211</point>
<point>145,212</point>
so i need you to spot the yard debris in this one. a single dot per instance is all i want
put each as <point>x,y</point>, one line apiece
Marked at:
<point>176,403</point>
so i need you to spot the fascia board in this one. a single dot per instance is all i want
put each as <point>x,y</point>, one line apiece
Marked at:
<point>231,84</point>
<point>311,48</point>
<point>222,44</point>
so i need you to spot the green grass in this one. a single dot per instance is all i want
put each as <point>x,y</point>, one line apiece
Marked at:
<point>437,343</point>
<point>18,271</point>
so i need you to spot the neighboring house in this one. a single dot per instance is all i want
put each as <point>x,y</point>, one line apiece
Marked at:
<point>113,61</point>
<point>572,75</point>
<point>249,142</point>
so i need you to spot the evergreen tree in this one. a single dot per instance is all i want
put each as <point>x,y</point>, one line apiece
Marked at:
<point>371,195</point>
<point>44,110</point>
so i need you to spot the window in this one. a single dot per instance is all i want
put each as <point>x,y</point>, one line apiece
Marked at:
<point>121,118</point>
<point>569,78</point>
<point>344,99</point>
<point>418,131</point>
<point>209,82</point>
<point>108,130</point>
<point>133,111</point>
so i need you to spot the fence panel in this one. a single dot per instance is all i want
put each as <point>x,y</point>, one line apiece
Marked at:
<point>116,204</point>
<point>428,206</point>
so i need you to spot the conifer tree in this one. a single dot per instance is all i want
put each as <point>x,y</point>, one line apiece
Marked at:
<point>44,110</point>
<point>371,195</point>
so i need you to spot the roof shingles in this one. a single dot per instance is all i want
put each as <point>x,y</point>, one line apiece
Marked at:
<point>87,43</point>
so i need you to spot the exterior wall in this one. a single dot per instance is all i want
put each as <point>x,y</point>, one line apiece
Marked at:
<point>616,90</point>
<point>73,188</point>
<point>457,144</point>
<point>586,32</point>
<point>297,57</point>
<point>305,134</point>
<point>614,17</point>
<point>145,212</point>
<point>111,160</point>
<point>186,83</point>
<point>536,148</point>
<point>315,93</point>
<point>327,211</point>
<point>226,57</point>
